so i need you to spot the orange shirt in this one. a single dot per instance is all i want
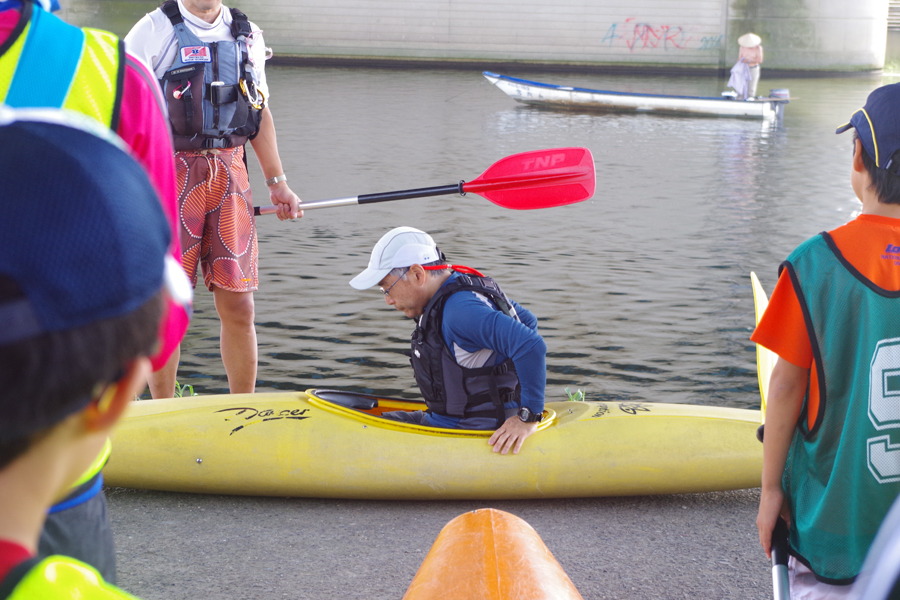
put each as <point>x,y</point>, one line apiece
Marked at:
<point>871,244</point>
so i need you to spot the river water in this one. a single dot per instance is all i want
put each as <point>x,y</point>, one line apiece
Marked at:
<point>642,292</point>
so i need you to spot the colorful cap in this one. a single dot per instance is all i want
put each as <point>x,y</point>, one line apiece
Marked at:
<point>400,247</point>
<point>83,233</point>
<point>878,126</point>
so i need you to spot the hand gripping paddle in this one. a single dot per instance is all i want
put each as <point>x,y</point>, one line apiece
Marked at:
<point>536,179</point>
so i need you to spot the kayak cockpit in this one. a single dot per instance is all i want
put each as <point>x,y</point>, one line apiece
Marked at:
<point>371,405</point>
<point>369,409</point>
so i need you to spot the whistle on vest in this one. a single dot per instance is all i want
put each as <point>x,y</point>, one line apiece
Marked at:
<point>178,92</point>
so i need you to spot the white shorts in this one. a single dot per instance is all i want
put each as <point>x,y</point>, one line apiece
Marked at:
<point>805,586</point>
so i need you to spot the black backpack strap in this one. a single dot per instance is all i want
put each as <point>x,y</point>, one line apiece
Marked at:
<point>16,575</point>
<point>170,9</point>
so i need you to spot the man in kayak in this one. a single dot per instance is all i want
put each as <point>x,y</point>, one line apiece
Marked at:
<point>831,459</point>
<point>211,62</point>
<point>476,355</point>
<point>81,297</point>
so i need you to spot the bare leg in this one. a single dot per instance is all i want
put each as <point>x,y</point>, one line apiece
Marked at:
<point>162,382</point>
<point>238,338</point>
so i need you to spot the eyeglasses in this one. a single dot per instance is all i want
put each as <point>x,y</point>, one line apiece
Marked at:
<point>387,292</point>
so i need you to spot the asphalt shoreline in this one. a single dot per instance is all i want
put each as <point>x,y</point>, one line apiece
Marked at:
<point>188,546</point>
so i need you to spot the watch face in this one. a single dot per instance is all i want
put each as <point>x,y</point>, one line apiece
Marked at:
<point>526,415</point>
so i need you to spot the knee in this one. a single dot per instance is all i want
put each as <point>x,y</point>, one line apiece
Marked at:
<point>237,309</point>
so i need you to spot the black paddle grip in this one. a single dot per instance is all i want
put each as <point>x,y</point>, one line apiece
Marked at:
<point>405,194</point>
<point>780,543</point>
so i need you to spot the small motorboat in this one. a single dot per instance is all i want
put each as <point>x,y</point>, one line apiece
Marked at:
<point>555,96</point>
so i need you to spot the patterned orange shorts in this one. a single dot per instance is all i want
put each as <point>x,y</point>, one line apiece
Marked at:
<point>217,226</point>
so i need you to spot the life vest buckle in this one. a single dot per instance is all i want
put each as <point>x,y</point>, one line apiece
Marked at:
<point>212,142</point>
<point>219,93</point>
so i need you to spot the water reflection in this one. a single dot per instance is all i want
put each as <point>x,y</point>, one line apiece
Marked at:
<point>642,292</point>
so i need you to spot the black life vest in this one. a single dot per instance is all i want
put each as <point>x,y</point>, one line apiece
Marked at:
<point>210,89</point>
<point>448,388</point>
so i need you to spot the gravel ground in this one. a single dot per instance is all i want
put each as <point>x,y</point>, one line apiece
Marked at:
<point>186,546</point>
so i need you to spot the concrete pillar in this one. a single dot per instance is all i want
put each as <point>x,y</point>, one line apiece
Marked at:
<point>815,35</point>
<point>818,35</point>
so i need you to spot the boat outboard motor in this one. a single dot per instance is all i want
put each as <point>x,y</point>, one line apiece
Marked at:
<point>783,95</point>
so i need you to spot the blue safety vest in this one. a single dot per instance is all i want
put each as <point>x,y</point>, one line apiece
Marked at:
<point>210,89</point>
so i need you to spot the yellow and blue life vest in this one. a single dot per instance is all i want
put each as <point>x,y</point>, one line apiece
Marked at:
<point>47,63</point>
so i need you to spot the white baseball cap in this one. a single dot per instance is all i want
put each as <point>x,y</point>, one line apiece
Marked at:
<point>400,247</point>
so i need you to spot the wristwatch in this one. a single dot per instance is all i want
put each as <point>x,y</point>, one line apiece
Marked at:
<point>526,416</point>
<point>273,180</point>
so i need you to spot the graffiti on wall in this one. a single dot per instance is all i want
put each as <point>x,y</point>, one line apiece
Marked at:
<point>640,35</point>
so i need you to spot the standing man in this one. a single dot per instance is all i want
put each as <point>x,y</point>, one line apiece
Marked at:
<point>751,53</point>
<point>477,356</point>
<point>211,63</point>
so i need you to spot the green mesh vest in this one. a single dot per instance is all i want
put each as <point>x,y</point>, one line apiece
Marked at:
<point>842,474</point>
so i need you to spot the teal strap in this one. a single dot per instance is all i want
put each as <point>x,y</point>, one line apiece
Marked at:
<point>51,45</point>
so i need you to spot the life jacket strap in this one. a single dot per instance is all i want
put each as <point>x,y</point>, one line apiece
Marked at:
<point>498,402</point>
<point>210,142</point>
<point>240,25</point>
<point>170,9</point>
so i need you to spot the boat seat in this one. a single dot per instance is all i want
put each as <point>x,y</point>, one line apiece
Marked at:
<point>348,399</point>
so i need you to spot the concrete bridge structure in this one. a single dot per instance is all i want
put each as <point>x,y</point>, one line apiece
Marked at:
<point>818,36</point>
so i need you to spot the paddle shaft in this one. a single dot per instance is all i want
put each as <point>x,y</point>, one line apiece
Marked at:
<point>442,190</point>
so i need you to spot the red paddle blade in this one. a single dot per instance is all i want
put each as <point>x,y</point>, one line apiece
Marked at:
<point>538,179</point>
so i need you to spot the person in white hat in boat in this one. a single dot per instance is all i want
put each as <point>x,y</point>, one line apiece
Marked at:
<point>751,53</point>
<point>477,356</point>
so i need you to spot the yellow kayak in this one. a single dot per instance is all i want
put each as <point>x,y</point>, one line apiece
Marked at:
<point>765,358</point>
<point>331,444</point>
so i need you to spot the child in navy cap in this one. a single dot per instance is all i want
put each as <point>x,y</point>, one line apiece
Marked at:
<point>831,463</point>
<point>82,272</point>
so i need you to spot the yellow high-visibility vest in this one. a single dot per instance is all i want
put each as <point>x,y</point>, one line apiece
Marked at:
<point>47,63</point>
<point>59,578</point>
